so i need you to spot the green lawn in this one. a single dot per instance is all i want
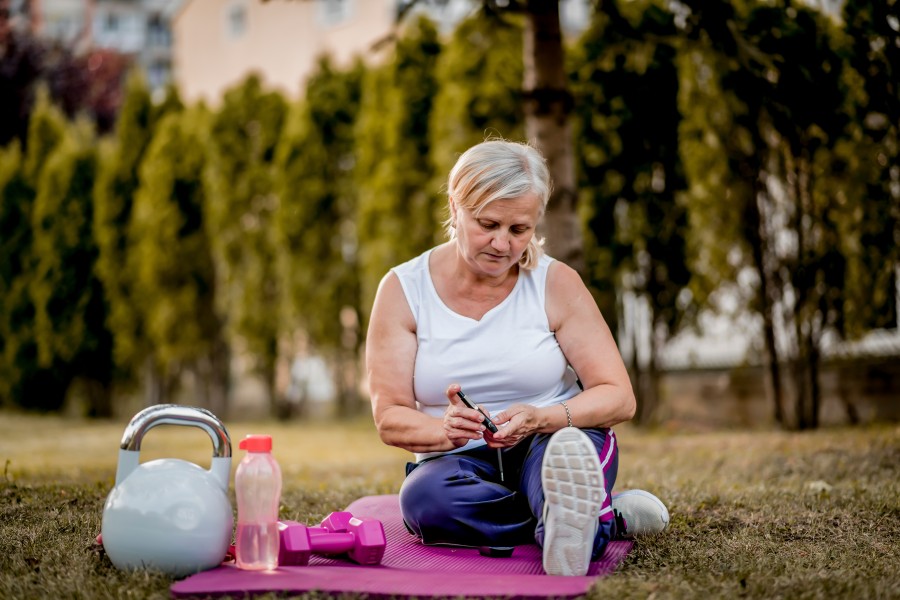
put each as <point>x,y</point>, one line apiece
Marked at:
<point>754,514</point>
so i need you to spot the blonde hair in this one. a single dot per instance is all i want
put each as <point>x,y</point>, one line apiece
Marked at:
<point>500,170</point>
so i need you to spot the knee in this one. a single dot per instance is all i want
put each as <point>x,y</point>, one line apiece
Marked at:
<point>424,498</point>
<point>424,489</point>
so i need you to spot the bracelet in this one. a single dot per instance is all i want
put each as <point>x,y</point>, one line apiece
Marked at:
<point>568,414</point>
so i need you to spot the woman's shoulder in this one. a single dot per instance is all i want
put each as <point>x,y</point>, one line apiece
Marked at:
<point>413,265</point>
<point>560,276</point>
<point>562,283</point>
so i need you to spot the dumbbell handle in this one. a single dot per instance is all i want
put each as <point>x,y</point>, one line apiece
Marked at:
<point>297,542</point>
<point>331,543</point>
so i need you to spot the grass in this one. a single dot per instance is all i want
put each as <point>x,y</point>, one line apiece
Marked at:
<point>760,514</point>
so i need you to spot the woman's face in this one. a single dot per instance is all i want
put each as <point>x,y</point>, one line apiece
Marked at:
<point>493,241</point>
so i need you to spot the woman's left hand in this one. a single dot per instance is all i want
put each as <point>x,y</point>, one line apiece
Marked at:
<point>515,424</point>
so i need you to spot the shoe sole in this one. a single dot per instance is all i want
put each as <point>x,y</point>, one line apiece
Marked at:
<point>644,513</point>
<point>574,492</point>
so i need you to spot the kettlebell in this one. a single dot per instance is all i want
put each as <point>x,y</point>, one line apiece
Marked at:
<point>169,514</point>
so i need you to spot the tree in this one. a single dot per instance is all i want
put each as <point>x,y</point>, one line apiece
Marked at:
<point>548,105</point>
<point>479,90</point>
<point>316,224</point>
<point>23,381</point>
<point>88,84</point>
<point>873,36</point>
<point>397,219</point>
<point>116,184</point>
<point>785,164</point>
<point>626,88</point>
<point>719,144</point>
<point>175,280</point>
<point>240,204</point>
<point>801,141</point>
<point>70,311</point>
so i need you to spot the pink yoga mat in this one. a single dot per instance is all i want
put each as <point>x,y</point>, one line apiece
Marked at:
<point>408,569</point>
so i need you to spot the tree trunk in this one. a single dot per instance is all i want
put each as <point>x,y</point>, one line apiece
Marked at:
<point>154,385</point>
<point>767,309</point>
<point>801,393</point>
<point>276,402</point>
<point>215,374</point>
<point>757,240</point>
<point>845,393</point>
<point>815,391</point>
<point>547,107</point>
<point>808,389</point>
<point>650,401</point>
<point>99,399</point>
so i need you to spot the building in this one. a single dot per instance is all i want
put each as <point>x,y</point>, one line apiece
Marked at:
<point>137,28</point>
<point>218,43</point>
<point>140,28</point>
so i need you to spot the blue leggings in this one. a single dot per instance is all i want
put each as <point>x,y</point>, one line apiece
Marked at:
<point>459,499</point>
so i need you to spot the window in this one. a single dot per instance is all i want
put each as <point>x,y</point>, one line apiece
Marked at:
<point>236,24</point>
<point>158,73</point>
<point>334,12</point>
<point>157,32</point>
<point>111,22</point>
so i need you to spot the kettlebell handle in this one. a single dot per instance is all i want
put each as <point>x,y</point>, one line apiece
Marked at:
<point>174,414</point>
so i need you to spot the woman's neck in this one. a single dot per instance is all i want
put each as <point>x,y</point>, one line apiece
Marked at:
<point>464,290</point>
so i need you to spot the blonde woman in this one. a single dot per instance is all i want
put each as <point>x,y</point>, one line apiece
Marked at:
<point>489,317</point>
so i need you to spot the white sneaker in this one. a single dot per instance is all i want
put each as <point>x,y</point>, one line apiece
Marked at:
<point>643,512</point>
<point>574,492</point>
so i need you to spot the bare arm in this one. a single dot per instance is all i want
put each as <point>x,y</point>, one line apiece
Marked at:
<point>391,348</point>
<point>590,349</point>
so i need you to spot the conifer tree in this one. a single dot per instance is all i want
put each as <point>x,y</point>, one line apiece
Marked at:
<point>548,108</point>
<point>46,130</point>
<point>23,381</point>
<point>873,250</point>
<point>239,208</point>
<point>626,89</point>
<point>116,185</point>
<point>175,282</point>
<point>315,222</point>
<point>396,214</point>
<point>789,172</point>
<point>479,83</point>
<point>70,311</point>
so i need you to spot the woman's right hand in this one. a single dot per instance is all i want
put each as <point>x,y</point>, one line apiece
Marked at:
<point>461,423</point>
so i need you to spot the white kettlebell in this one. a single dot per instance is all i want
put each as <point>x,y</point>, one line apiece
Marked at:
<point>169,514</point>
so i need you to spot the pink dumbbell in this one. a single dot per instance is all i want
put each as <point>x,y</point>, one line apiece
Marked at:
<point>361,540</point>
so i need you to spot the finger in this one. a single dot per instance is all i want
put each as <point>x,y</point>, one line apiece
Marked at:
<point>500,418</point>
<point>453,394</point>
<point>502,434</point>
<point>495,442</point>
<point>463,421</point>
<point>452,390</point>
<point>461,427</point>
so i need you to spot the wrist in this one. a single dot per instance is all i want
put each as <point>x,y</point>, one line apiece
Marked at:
<point>568,414</point>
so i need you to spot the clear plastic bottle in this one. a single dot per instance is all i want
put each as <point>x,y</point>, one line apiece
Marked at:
<point>257,485</point>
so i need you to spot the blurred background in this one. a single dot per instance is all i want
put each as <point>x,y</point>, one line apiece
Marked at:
<point>199,197</point>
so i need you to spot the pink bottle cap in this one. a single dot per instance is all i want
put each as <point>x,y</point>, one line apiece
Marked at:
<point>256,443</point>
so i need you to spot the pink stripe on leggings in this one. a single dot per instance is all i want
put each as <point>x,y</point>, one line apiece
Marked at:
<point>606,453</point>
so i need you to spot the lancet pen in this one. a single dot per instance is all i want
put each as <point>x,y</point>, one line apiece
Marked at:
<point>487,423</point>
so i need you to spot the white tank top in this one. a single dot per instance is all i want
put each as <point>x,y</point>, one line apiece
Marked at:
<point>508,357</point>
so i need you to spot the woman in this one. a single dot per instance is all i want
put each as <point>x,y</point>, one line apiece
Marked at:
<point>487,313</point>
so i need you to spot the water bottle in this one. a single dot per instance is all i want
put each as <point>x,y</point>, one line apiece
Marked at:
<point>257,485</point>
